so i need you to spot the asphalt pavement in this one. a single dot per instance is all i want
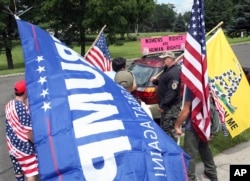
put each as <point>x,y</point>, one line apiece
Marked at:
<point>236,155</point>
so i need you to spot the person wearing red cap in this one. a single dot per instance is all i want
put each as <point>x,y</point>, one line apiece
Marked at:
<point>19,135</point>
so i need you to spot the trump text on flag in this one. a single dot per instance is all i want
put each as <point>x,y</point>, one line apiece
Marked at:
<point>90,124</point>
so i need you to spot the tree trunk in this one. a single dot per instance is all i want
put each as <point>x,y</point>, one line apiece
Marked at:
<point>7,43</point>
<point>82,28</point>
<point>8,51</point>
<point>82,35</point>
<point>9,58</point>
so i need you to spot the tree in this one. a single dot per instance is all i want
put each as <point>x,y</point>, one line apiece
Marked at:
<point>179,24</point>
<point>164,18</point>
<point>240,20</point>
<point>217,11</point>
<point>144,7</point>
<point>65,23</point>
<point>8,28</point>
<point>120,16</point>
<point>71,23</point>
<point>186,17</point>
<point>6,31</point>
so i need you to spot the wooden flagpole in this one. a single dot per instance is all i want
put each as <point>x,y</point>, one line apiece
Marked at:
<point>217,26</point>
<point>179,57</point>
<point>95,40</point>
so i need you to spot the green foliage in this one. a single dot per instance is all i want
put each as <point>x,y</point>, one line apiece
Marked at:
<point>18,62</point>
<point>217,11</point>
<point>121,17</point>
<point>179,24</point>
<point>186,17</point>
<point>164,18</point>
<point>241,19</point>
<point>218,142</point>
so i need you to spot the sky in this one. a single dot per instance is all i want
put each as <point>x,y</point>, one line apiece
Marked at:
<point>181,6</point>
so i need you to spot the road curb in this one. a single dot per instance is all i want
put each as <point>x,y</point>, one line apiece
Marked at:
<point>11,75</point>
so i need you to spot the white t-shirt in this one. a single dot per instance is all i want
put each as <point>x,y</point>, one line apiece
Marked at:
<point>146,109</point>
<point>111,74</point>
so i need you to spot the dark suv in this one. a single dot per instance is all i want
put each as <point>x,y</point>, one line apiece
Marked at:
<point>143,69</point>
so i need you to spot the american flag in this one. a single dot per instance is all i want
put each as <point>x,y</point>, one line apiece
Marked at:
<point>221,110</point>
<point>194,71</point>
<point>17,128</point>
<point>99,55</point>
<point>18,123</point>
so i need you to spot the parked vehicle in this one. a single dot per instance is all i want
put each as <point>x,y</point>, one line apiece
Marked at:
<point>143,69</point>
<point>247,73</point>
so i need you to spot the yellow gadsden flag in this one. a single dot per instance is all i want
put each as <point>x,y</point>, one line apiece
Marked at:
<point>229,82</point>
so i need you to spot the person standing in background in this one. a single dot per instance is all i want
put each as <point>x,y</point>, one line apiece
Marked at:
<point>168,93</point>
<point>193,145</point>
<point>118,63</point>
<point>19,135</point>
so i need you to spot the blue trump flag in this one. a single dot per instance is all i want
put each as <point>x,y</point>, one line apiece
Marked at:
<point>87,127</point>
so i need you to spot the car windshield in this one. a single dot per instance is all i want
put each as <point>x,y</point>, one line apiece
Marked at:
<point>143,74</point>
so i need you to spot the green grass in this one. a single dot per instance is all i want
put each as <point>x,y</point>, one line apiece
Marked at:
<point>129,49</point>
<point>220,142</point>
<point>238,40</point>
<point>18,62</point>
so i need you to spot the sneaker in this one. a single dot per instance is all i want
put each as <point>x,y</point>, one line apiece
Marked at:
<point>211,177</point>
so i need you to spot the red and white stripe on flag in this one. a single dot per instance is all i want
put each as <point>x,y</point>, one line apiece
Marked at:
<point>97,58</point>
<point>218,106</point>
<point>194,71</point>
<point>99,55</point>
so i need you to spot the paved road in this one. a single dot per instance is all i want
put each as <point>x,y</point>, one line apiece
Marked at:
<point>6,87</point>
<point>238,155</point>
<point>242,53</point>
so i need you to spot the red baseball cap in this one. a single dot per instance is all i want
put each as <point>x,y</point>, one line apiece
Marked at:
<point>20,87</point>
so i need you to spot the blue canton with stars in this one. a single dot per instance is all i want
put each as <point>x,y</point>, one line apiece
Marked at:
<point>102,45</point>
<point>197,25</point>
<point>41,82</point>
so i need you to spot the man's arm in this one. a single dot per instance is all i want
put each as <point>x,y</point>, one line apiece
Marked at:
<point>30,136</point>
<point>183,115</point>
<point>154,80</point>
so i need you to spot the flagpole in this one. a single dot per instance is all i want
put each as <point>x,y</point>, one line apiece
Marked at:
<point>95,40</point>
<point>217,26</point>
<point>180,56</point>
